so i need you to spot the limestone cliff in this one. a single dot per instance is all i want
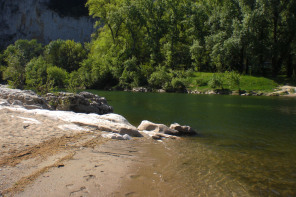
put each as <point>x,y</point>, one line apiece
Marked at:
<point>44,20</point>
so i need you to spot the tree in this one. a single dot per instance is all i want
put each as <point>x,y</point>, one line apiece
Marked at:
<point>65,54</point>
<point>57,76</point>
<point>108,14</point>
<point>161,78</point>
<point>16,57</point>
<point>246,36</point>
<point>36,75</point>
<point>216,81</point>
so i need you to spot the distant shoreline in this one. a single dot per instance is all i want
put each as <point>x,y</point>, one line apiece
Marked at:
<point>280,91</point>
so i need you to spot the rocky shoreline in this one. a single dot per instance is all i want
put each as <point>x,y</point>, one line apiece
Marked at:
<point>280,91</point>
<point>41,146</point>
<point>48,156</point>
<point>86,109</point>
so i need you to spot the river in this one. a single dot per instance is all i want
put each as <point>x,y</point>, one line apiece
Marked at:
<point>246,147</point>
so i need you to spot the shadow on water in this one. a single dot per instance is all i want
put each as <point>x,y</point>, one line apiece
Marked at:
<point>250,140</point>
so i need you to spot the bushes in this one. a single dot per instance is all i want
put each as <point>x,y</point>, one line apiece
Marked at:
<point>65,54</point>
<point>74,81</point>
<point>228,79</point>
<point>16,57</point>
<point>233,79</point>
<point>131,75</point>
<point>43,77</point>
<point>26,64</point>
<point>63,64</point>
<point>2,67</point>
<point>36,75</point>
<point>160,79</point>
<point>216,81</point>
<point>57,76</point>
<point>178,84</point>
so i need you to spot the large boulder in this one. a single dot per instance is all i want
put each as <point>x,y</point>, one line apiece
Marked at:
<point>174,129</point>
<point>84,102</point>
<point>158,128</point>
<point>183,130</point>
<point>24,98</point>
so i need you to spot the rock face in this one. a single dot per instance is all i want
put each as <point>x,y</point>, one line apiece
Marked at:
<point>174,129</point>
<point>84,102</point>
<point>44,20</point>
<point>25,98</point>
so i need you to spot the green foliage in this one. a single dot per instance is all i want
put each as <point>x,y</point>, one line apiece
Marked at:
<point>197,55</point>
<point>65,54</point>
<point>178,84</point>
<point>243,36</point>
<point>251,83</point>
<point>85,74</point>
<point>57,76</point>
<point>2,67</point>
<point>160,79</point>
<point>233,78</point>
<point>36,76</point>
<point>216,81</point>
<point>155,43</point>
<point>16,57</point>
<point>74,82</point>
<point>131,75</point>
<point>200,81</point>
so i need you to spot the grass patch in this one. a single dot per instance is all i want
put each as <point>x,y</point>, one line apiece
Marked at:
<point>250,83</point>
<point>199,81</point>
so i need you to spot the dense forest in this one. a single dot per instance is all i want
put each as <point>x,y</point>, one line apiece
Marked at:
<point>159,43</point>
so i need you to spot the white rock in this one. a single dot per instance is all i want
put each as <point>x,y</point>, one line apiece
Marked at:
<point>72,127</point>
<point>29,120</point>
<point>127,137</point>
<point>158,128</point>
<point>110,122</point>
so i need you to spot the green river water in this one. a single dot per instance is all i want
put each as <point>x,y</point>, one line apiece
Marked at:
<point>246,147</point>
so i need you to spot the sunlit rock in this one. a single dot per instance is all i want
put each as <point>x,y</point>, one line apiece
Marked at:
<point>158,128</point>
<point>84,102</point>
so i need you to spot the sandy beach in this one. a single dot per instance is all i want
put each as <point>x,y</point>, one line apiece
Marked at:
<point>41,156</point>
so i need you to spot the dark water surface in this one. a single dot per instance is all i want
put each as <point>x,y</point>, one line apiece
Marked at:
<point>248,144</point>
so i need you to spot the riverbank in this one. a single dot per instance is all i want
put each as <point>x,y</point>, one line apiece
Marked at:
<point>41,156</point>
<point>279,91</point>
<point>244,85</point>
<point>41,149</point>
<point>244,141</point>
